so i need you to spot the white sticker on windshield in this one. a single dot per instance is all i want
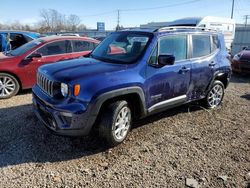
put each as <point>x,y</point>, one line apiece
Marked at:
<point>139,39</point>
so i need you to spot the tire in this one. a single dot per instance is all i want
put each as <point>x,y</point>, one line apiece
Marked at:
<point>9,86</point>
<point>215,95</point>
<point>115,123</point>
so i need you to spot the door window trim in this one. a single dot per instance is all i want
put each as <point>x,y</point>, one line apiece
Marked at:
<point>47,44</point>
<point>158,48</point>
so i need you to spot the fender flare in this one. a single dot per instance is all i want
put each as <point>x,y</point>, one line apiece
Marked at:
<point>217,74</point>
<point>97,103</point>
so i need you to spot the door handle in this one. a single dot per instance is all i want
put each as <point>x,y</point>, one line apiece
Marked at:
<point>184,70</point>
<point>211,64</point>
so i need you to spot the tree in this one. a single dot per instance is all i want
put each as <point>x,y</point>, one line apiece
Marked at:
<point>81,27</point>
<point>73,21</point>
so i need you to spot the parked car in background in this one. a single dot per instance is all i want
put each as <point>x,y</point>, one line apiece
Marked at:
<point>241,61</point>
<point>69,34</point>
<point>18,67</point>
<point>100,38</point>
<point>155,71</point>
<point>10,40</point>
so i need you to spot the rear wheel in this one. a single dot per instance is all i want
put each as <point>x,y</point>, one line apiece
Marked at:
<point>215,95</point>
<point>9,86</point>
<point>116,123</point>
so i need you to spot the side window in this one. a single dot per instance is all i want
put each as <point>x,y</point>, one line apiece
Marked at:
<point>174,45</point>
<point>215,43</point>
<point>54,48</point>
<point>154,56</point>
<point>80,46</point>
<point>17,40</point>
<point>201,45</point>
<point>1,41</point>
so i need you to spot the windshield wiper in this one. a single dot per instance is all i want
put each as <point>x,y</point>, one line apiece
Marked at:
<point>8,53</point>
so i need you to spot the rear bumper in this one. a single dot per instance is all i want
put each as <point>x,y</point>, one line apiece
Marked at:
<point>71,119</point>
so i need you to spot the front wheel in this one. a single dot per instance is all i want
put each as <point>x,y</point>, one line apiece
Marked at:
<point>9,86</point>
<point>116,123</point>
<point>215,95</point>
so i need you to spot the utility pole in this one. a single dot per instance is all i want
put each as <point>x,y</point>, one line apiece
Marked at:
<point>232,12</point>
<point>118,20</point>
<point>246,19</point>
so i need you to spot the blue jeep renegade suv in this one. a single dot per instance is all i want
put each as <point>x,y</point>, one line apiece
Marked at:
<point>130,75</point>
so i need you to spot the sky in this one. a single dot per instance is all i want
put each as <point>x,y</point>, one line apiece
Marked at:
<point>132,12</point>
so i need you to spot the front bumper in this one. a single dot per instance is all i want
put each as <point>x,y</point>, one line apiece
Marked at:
<point>68,119</point>
<point>241,67</point>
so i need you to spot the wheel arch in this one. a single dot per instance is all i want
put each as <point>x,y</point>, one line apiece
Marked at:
<point>221,76</point>
<point>16,77</point>
<point>133,95</point>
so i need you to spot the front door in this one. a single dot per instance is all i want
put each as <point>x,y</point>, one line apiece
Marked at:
<point>50,53</point>
<point>168,85</point>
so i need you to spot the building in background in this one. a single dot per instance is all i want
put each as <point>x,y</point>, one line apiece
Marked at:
<point>225,25</point>
<point>242,38</point>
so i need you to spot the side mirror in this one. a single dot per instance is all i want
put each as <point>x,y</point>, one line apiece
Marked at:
<point>34,55</point>
<point>244,48</point>
<point>166,60</point>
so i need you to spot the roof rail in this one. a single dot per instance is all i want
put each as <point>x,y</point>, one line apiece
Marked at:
<point>173,28</point>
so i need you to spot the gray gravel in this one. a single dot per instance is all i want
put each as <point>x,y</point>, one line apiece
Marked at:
<point>188,143</point>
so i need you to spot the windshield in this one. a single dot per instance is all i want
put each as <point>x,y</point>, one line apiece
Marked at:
<point>26,47</point>
<point>122,47</point>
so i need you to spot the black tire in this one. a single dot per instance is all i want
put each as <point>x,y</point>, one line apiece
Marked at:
<point>215,95</point>
<point>108,124</point>
<point>10,90</point>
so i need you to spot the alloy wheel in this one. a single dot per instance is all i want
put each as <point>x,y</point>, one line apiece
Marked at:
<point>7,86</point>
<point>215,96</point>
<point>122,123</point>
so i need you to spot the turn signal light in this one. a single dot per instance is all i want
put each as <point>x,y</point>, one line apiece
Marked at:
<point>77,89</point>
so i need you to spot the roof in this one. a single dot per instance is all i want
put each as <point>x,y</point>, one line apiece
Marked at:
<point>56,37</point>
<point>172,29</point>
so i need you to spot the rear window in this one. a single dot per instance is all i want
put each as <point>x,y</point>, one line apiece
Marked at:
<point>201,45</point>
<point>215,43</point>
<point>79,46</point>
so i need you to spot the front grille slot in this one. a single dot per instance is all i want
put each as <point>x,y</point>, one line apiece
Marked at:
<point>45,84</point>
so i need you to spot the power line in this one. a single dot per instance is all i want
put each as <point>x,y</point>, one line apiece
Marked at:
<point>160,7</point>
<point>99,14</point>
<point>142,9</point>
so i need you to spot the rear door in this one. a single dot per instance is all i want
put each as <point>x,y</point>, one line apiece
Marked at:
<point>51,52</point>
<point>204,62</point>
<point>1,42</point>
<point>170,83</point>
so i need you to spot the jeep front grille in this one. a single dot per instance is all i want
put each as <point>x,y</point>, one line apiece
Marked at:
<point>45,84</point>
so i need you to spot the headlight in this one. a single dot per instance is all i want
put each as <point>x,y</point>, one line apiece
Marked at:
<point>64,89</point>
<point>237,57</point>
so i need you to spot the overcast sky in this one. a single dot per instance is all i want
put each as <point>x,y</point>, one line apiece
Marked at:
<point>133,12</point>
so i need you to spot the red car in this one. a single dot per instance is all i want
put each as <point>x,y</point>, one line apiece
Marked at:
<point>18,67</point>
<point>241,62</point>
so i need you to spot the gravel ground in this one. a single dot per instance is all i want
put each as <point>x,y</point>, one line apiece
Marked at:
<point>188,143</point>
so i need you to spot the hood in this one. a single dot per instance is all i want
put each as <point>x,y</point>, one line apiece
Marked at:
<point>3,57</point>
<point>71,70</point>
<point>6,59</point>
